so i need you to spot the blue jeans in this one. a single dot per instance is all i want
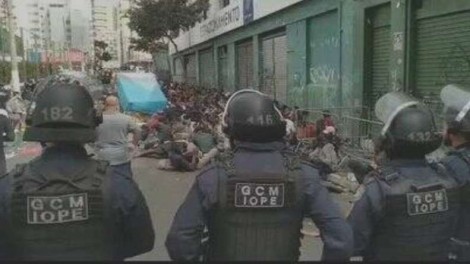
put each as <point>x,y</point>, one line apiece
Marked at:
<point>122,169</point>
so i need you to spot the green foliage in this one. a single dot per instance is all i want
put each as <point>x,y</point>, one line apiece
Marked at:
<point>101,54</point>
<point>106,56</point>
<point>5,42</point>
<point>159,20</point>
<point>33,70</point>
<point>100,45</point>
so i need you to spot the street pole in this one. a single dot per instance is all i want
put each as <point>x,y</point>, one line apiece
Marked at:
<point>2,37</point>
<point>15,78</point>
<point>25,72</point>
<point>38,62</point>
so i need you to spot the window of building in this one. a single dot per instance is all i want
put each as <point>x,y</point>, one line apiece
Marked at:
<point>224,3</point>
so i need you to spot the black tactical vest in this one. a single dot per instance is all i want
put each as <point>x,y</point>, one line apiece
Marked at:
<point>419,218</point>
<point>259,215</point>
<point>60,217</point>
<point>461,240</point>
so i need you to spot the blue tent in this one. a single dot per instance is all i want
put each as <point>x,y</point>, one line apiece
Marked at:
<point>140,92</point>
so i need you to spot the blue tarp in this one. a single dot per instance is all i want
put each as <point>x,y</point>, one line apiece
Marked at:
<point>140,92</point>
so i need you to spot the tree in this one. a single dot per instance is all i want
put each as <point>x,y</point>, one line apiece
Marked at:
<point>100,53</point>
<point>158,22</point>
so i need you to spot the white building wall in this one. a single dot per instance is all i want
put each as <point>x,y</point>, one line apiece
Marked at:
<point>221,19</point>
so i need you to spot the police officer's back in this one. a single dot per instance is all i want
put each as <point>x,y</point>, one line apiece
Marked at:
<point>64,205</point>
<point>408,210</point>
<point>253,201</point>
<point>457,135</point>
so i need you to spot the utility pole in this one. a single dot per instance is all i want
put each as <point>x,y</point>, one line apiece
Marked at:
<point>25,72</point>
<point>15,77</point>
<point>38,62</point>
<point>3,30</point>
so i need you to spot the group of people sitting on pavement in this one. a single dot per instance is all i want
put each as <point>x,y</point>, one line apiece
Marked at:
<point>188,135</point>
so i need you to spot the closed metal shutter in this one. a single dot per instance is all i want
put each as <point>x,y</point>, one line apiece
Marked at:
<point>179,70</point>
<point>206,68</point>
<point>274,65</point>
<point>268,76</point>
<point>245,65</point>
<point>223,69</point>
<point>377,54</point>
<point>442,55</point>
<point>190,72</point>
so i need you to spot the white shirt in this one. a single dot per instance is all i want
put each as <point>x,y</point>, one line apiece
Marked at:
<point>290,127</point>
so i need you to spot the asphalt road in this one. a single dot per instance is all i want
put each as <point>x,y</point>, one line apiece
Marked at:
<point>165,191</point>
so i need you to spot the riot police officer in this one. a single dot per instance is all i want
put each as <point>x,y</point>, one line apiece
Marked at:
<point>254,199</point>
<point>64,205</point>
<point>408,209</point>
<point>457,135</point>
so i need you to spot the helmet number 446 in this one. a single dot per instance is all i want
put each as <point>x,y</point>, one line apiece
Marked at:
<point>261,120</point>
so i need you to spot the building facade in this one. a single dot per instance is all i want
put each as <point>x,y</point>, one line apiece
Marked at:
<point>105,26</point>
<point>319,54</point>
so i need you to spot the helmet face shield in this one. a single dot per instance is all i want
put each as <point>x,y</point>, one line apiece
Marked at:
<point>390,105</point>
<point>456,102</point>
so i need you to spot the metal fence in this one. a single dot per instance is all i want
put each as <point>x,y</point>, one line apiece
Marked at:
<point>356,126</point>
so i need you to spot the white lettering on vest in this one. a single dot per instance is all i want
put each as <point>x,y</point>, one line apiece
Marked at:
<point>246,190</point>
<point>259,190</point>
<point>56,204</point>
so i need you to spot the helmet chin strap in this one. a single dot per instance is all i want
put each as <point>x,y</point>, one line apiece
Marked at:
<point>224,124</point>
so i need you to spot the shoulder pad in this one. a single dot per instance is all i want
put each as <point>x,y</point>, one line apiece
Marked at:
<point>388,174</point>
<point>207,169</point>
<point>102,166</point>
<point>19,170</point>
<point>371,177</point>
<point>4,175</point>
<point>221,156</point>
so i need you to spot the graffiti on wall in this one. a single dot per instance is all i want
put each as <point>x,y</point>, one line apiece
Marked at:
<point>332,42</point>
<point>455,67</point>
<point>324,86</point>
<point>296,95</point>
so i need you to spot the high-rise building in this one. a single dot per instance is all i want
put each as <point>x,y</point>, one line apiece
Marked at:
<point>80,30</point>
<point>125,31</point>
<point>105,25</point>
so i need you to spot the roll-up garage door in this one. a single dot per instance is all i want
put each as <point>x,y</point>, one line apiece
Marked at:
<point>206,68</point>
<point>442,54</point>
<point>377,54</point>
<point>223,69</point>
<point>245,65</point>
<point>274,67</point>
<point>190,69</point>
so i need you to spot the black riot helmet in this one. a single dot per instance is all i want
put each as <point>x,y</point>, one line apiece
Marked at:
<point>251,116</point>
<point>410,130</point>
<point>62,113</point>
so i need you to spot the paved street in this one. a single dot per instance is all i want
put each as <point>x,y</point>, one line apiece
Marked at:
<point>164,192</point>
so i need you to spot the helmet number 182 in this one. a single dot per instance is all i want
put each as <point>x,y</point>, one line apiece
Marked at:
<point>57,113</point>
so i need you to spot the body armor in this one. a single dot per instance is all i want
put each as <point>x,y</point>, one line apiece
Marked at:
<point>461,240</point>
<point>418,218</point>
<point>259,215</point>
<point>57,217</point>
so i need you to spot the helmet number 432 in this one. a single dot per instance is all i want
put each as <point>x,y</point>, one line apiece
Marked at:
<point>57,113</point>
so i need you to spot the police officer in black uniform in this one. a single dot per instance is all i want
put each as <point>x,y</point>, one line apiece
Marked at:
<point>457,135</point>
<point>408,209</point>
<point>254,199</point>
<point>64,205</point>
